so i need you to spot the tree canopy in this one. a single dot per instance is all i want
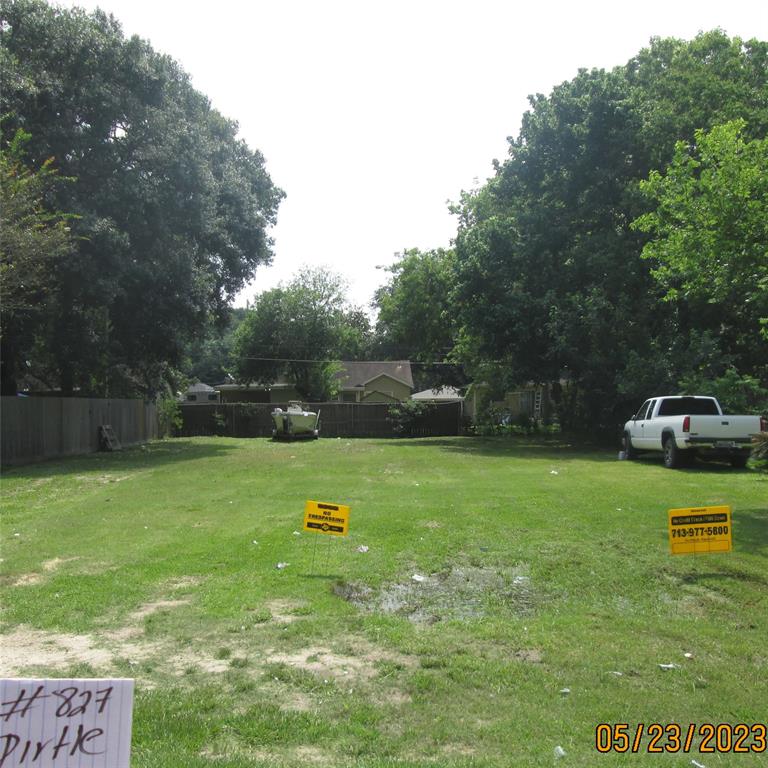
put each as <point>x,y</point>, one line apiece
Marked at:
<point>289,327</point>
<point>173,210</point>
<point>550,276</point>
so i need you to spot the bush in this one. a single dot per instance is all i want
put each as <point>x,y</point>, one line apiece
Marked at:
<point>169,416</point>
<point>760,449</point>
<point>408,417</point>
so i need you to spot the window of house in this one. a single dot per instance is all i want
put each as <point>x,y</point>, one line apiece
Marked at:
<point>191,397</point>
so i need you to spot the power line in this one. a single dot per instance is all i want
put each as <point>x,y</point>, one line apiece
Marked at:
<point>373,362</point>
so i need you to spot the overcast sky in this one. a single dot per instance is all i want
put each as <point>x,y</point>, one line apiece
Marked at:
<point>372,115</point>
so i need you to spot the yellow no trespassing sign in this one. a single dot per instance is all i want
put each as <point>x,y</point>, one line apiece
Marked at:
<point>324,517</point>
<point>697,530</point>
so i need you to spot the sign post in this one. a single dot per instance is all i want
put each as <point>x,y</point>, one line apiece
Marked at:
<point>699,530</point>
<point>324,517</point>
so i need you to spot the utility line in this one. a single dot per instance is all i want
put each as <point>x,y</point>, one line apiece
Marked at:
<point>376,362</point>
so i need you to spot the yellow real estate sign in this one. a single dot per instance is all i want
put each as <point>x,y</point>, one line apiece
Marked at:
<point>323,517</point>
<point>697,530</point>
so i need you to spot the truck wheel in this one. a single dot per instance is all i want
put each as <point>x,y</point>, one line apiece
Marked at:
<point>672,459</point>
<point>739,462</point>
<point>626,444</point>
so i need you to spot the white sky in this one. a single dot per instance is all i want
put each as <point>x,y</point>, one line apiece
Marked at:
<point>372,114</point>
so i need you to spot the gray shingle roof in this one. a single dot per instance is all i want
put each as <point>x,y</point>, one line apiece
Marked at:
<point>355,374</point>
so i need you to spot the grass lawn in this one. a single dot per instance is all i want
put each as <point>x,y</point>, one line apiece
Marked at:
<point>545,567</point>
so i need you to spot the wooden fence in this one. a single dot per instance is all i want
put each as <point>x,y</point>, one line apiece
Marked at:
<point>37,428</point>
<point>336,420</point>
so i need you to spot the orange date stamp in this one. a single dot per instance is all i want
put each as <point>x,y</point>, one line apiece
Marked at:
<point>703,738</point>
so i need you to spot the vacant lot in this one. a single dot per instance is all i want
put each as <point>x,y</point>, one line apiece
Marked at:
<point>544,601</point>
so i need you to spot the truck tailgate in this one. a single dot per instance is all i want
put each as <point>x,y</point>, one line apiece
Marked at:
<point>724,428</point>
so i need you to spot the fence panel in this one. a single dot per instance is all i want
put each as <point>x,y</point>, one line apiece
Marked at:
<point>37,428</point>
<point>336,420</point>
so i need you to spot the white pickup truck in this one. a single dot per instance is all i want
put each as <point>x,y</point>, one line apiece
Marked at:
<point>683,427</point>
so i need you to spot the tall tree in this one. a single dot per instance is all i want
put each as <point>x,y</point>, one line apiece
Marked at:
<point>289,327</point>
<point>709,247</point>
<point>417,317</point>
<point>33,242</point>
<point>550,276</point>
<point>173,208</point>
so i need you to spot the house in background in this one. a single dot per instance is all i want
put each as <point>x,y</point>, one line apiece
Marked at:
<point>389,381</point>
<point>358,382</point>
<point>201,394</point>
<point>441,395</point>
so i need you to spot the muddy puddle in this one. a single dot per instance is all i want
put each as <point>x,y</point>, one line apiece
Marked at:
<point>462,593</point>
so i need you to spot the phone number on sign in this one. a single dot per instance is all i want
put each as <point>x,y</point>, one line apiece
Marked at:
<point>620,737</point>
<point>712,530</point>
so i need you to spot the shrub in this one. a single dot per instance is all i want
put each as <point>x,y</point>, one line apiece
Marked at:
<point>169,416</point>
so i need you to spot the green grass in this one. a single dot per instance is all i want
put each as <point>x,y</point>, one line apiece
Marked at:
<point>546,568</point>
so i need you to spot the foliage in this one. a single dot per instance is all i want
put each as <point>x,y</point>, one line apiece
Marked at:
<point>33,241</point>
<point>736,393</point>
<point>408,416</point>
<point>169,416</point>
<point>209,359</point>
<point>417,318</point>
<point>710,234</point>
<point>760,449</point>
<point>551,285</point>
<point>173,209</point>
<point>288,327</point>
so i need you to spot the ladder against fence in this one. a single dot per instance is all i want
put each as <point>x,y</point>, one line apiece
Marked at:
<point>37,428</point>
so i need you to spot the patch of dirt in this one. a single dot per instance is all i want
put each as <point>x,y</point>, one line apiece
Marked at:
<point>460,594</point>
<point>182,661</point>
<point>158,605</point>
<point>52,565</point>
<point>432,524</point>
<point>28,580</point>
<point>312,755</point>
<point>325,663</point>
<point>530,655</point>
<point>284,611</point>
<point>49,566</point>
<point>26,647</point>
<point>183,582</point>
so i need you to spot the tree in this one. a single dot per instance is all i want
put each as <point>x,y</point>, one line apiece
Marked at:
<point>417,317</point>
<point>709,228</point>
<point>33,241</point>
<point>550,276</point>
<point>209,360</point>
<point>309,319</point>
<point>173,209</point>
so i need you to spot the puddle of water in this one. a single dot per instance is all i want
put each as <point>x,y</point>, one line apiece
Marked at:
<point>460,594</point>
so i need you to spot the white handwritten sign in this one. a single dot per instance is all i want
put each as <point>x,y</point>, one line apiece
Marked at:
<point>65,723</point>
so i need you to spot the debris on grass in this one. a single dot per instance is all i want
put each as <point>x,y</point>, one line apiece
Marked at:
<point>559,752</point>
<point>565,691</point>
<point>669,666</point>
<point>281,566</point>
<point>362,549</point>
<point>614,672</point>
<point>461,593</point>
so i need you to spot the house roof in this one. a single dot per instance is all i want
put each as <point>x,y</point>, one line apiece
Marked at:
<point>443,393</point>
<point>200,387</point>
<point>357,374</point>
